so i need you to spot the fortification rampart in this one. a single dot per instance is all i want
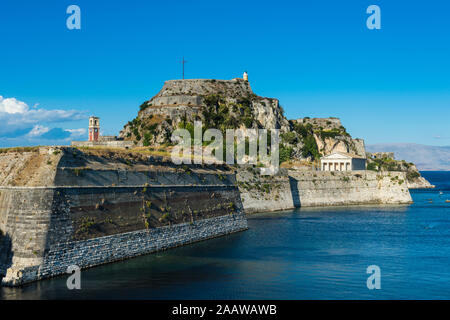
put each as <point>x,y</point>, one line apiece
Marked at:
<point>50,228</point>
<point>204,87</point>
<point>291,189</point>
<point>101,207</point>
<point>64,206</point>
<point>105,144</point>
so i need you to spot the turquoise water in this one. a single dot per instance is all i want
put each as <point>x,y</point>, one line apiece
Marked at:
<point>301,254</point>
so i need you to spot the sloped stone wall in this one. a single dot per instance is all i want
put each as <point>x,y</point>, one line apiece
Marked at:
<point>51,228</point>
<point>351,188</point>
<point>265,193</point>
<point>292,189</point>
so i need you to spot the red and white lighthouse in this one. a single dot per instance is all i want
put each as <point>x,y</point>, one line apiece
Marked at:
<point>94,128</point>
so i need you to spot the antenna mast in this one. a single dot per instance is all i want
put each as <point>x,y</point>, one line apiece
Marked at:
<point>183,62</point>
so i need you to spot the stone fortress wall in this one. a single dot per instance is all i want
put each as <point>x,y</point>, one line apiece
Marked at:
<point>86,209</point>
<point>190,92</point>
<point>41,225</point>
<point>105,144</point>
<point>97,210</point>
<point>203,87</point>
<point>380,155</point>
<point>293,189</point>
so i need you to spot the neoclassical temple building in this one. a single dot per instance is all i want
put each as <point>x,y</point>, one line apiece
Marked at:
<point>339,161</point>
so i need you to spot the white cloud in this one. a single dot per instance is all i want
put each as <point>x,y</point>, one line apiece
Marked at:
<point>18,119</point>
<point>77,132</point>
<point>37,131</point>
<point>12,106</point>
<point>42,135</point>
<point>43,132</point>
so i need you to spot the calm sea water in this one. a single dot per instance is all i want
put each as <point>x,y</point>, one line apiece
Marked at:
<point>301,254</point>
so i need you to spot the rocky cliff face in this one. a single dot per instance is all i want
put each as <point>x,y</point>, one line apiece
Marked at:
<point>231,104</point>
<point>385,162</point>
<point>218,104</point>
<point>322,136</point>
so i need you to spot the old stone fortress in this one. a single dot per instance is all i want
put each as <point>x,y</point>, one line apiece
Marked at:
<point>338,160</point>
<point>113,198</point>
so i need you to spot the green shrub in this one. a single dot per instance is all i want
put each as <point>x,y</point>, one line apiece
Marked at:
<point>248,121</point>
<point>302,130</point>
<point>164,217</point>
<point>143,106</point>
<point>329,134</point>
<point>152,127</point>
<point>212,100</point>
<point>285,153</point>
<point>289,137</point>
<point>147,138</point>
<point>86,224</point>
<point>310,148</point>
<point>412,175</point>
<point>372,166</point>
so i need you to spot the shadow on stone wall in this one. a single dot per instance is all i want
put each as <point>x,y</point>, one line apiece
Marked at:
<point>293,183</point>
<point>5,253</point>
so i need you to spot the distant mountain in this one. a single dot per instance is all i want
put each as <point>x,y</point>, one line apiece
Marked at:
<point>430,158</point>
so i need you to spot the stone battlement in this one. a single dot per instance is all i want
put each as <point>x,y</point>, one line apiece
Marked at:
<point>104,143</point>
<point>326,123</point>
<point>380,155</point>
<point>203,87</point>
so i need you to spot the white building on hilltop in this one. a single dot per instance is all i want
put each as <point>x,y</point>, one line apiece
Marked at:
<point>340,161</point>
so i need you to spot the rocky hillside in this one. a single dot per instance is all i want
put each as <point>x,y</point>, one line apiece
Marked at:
<point>228,104</point>
<point>312,138</point>
<point>426,158</point>
<point>217,103</point>
<point>385,162</point>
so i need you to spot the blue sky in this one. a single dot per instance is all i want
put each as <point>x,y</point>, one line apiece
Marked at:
<point>317,57</point>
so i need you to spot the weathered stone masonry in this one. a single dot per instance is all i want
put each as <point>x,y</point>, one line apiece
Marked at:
<point>60,207</point>
<point>293,189</point>
<point>41,226</point>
